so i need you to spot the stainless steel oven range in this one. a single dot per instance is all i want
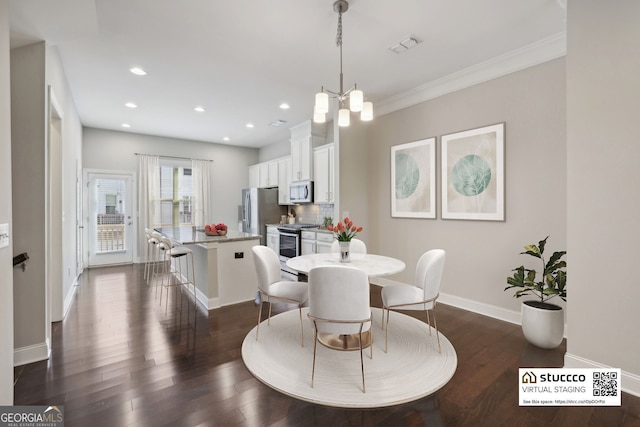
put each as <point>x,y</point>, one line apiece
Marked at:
<point>290,247</point>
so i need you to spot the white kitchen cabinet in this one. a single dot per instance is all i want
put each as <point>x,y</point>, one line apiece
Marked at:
<point>254,176</point>
<point>301,153</point>
<point>268,174</point>
<point>273,238</point>
<point>324,242</point>
<point>324,173</point>
<point>264,174</point>
<point>308,242</point>
<point>304,137</point>
<point>316,242</point>
<point>284,180</point>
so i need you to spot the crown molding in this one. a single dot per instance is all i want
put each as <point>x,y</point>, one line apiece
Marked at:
<point>533,54</point>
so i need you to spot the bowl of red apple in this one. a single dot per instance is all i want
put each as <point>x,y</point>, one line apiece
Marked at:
<point>215,229</point>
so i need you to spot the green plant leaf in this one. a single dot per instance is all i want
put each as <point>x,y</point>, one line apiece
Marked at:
<point>532,250</point>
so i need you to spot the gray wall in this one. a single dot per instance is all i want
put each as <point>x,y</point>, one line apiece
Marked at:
<point>111,150</point>
<point>603,148</point>
<point>28,98</point>
<point>6,254</point>
<point>33,69</point>
<point>480,254</point>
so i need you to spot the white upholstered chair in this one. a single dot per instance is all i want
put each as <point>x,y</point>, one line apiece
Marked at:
<point>357,246</point>
<point>273,288</point>
<point>339,304</point>
<point>421,296</point>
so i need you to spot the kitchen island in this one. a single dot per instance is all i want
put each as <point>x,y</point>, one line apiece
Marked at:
<point>224,269</point>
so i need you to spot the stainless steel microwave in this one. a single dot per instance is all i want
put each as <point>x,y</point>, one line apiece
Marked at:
<point>301,192</point>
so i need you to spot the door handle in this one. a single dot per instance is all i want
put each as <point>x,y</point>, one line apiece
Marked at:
<point>130,223</point>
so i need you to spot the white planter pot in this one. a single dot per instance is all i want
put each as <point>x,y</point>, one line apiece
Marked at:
<point>542,327</point>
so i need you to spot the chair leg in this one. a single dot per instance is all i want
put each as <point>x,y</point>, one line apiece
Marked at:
<point>315,343</point>
<point>428,321</point>
<point>259,316</point>
<point>301,331</point>
<point>386,334</point>
<point>362,361</point>
<point>435,324</point>
<point>269,319</point>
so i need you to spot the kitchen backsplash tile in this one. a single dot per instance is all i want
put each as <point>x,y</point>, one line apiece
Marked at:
<point>311,214</point>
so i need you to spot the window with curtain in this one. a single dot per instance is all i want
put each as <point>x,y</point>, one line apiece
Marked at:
<point>175,193</point>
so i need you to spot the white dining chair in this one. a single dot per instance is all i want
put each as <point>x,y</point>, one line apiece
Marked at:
<point>339,304</point>
<point>357,246</point>
<point>272,288</point>
<point>421,296</point>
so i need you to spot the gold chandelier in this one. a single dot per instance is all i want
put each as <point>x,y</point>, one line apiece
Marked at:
<point>354,95</point>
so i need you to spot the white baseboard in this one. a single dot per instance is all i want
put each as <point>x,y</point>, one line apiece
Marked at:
<point>499,313</point>
<point>31,353</point>
<point>630,382</point>
<point>69,297</point>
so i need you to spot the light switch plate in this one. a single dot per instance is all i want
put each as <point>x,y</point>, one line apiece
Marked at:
<point>4,235</point>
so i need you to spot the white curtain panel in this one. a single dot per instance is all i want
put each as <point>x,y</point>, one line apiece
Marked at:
<point>148,196</point>
<point>200,187</point>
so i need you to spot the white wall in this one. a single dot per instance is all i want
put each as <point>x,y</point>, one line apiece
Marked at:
<point>274,151</point>
<point>6,254</point>
<point>480,254</point>
<point>603,148</point>
<point>111,150</point>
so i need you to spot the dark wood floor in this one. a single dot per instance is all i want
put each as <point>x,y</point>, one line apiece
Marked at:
<point>118,360</point>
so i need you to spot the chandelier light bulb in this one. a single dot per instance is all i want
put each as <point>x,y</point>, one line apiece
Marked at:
<point>343,117</point>
<point>356,98</point>
<point>322,103</point>
<point>367,111</point>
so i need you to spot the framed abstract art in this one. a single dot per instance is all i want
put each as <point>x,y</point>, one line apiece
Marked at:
<point>413,179</point>
<point>473,174</point>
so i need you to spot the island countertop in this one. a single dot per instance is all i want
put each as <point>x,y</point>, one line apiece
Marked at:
<point>187,236</point>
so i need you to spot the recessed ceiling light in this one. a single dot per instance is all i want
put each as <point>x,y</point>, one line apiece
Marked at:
<point>199,109</point>
<point>130,105</point>
<point>126,125</point>
<point>250,125</point>
<point>284,106</point>
<point>138,71</point>
<point>226,138</point>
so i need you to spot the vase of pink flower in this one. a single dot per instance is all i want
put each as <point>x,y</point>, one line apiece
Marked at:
<point>344,231</point>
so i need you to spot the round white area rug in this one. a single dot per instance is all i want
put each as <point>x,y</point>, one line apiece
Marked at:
<point>412,368</point>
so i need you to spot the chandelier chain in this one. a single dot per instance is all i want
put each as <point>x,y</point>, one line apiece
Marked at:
<point>339,34</point>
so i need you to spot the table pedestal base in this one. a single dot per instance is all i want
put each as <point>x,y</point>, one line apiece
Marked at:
<point>345,342</point>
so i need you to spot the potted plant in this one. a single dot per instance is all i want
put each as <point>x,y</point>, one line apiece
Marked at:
<point>542,322</point>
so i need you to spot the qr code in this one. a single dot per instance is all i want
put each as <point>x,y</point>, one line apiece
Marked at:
<point>605,383</point>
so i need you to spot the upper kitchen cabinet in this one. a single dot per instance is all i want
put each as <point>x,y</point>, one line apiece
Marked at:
<point>324,174</point>
<point>264,175</point>
<point>269,174</point>
<point>284,180</point>
<point>303,138</point>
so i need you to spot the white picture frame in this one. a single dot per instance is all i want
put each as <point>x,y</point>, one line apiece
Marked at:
<point>472,169</point>
<point>413,179</point>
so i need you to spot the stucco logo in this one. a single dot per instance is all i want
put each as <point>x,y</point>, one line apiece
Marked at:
<point>529,378</point>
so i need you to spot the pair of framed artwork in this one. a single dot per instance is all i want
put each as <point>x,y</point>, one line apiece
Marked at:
<point>471,176</point>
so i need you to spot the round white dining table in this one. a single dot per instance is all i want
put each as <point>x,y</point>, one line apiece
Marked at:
<point>373,265</point>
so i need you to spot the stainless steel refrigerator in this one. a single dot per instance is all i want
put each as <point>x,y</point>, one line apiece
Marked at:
<point>260,207</point>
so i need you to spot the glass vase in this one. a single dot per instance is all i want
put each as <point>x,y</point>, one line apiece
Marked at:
<point>344,251</point>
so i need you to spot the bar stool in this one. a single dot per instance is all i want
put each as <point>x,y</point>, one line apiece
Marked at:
<point>173,256</point>
<point>152,243</point>
<point>159,260</point>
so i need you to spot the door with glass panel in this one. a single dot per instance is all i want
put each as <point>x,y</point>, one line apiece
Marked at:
<point>110,219</point>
